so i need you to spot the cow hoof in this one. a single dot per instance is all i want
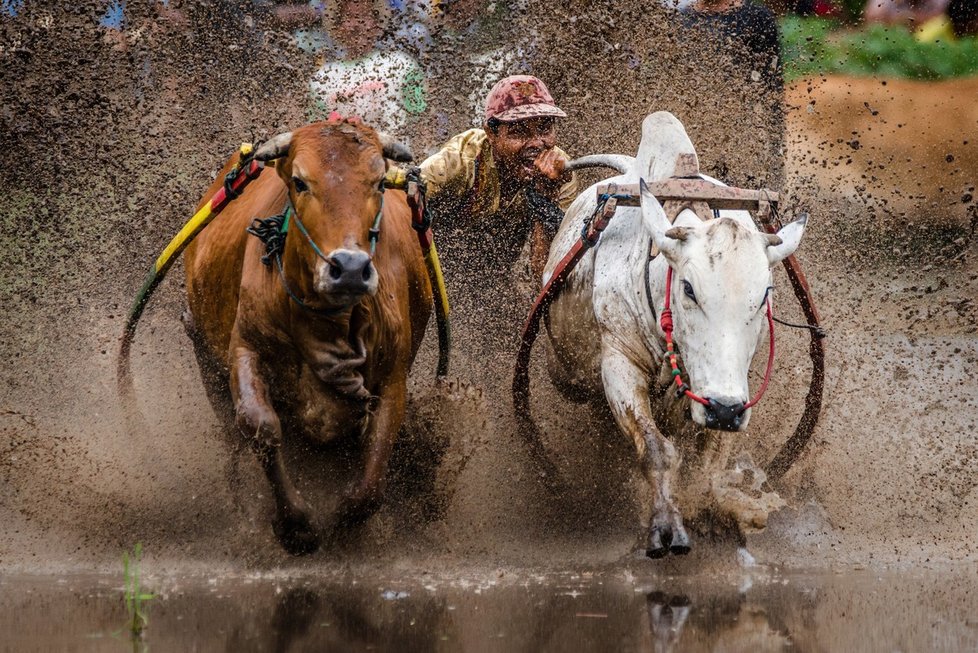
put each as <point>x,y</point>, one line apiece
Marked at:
<point>296,536</point>
<point>658,542</point>
<point>358,508</point>
<point>680,544</point>
<point>668,539</point>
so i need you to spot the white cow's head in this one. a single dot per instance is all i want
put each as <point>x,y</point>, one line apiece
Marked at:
<point>721,277</point>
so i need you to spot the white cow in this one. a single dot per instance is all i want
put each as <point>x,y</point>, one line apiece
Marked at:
<point>604,327</point>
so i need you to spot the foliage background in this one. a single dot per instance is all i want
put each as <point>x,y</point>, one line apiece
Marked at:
<point>812,46</point>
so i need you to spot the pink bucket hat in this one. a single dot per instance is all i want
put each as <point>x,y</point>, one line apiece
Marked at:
<point>518,97</point>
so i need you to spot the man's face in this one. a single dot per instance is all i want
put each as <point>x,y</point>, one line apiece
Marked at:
<point>517,144</point>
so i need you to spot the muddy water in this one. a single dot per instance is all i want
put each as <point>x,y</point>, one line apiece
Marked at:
<point>504,610</point>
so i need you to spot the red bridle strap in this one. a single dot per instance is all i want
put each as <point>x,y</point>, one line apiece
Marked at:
<point>770,356</point>
<point>665,321</point>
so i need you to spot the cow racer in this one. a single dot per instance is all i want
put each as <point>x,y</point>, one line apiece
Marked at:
<point>491,189</point>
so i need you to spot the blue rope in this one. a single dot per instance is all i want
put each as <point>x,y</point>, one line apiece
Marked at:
<point>375,229</point>
<point>305,233</point>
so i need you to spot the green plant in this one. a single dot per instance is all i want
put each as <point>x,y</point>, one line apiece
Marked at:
<point>814,46</point>
<point>134,595</point>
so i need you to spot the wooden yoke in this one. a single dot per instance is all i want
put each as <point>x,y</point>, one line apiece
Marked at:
<point>678,193</point>
<point>687,190</point>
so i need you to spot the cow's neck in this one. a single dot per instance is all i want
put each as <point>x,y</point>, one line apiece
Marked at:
<point>336,353</point>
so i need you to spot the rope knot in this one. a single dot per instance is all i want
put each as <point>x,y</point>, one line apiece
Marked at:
<point>270,232</point>
<point>665,320</point>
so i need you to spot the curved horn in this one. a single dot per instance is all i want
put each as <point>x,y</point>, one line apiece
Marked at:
<point>395,150</point>
<point>620,162</point>
<point>274,147</point>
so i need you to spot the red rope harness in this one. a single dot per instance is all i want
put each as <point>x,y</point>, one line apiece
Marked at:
<point>665,321</point>
<point>592,230</point>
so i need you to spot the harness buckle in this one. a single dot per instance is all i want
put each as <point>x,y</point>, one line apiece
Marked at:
<point>598,222</point>
<point>247,151</point>
<point>229,179</point>
<point>588,242</point>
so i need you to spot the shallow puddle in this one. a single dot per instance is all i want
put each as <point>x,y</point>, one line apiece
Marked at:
<point>503,610</point>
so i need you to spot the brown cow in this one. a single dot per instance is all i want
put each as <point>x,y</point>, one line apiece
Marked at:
<point>320,342</point>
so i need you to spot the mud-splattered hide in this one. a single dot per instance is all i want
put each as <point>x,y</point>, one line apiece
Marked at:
<point>604,325</point>
<point>321,346</point>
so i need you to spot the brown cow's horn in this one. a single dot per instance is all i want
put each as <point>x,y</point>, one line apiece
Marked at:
<point>274,147</point>
<point>394,150</point>
<point>619,162</point>
<point>773,240</point>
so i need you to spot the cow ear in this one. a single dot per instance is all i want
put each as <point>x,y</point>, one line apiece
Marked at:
<point>274,148</point>
<point>663,233</point>
<point>652,214</point>
<point>788,240</point>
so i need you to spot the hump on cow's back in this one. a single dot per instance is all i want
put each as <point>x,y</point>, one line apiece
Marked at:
<point>664,138</point>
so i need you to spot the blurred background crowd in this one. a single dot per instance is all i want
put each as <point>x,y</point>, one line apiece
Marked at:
<point>359,40</point>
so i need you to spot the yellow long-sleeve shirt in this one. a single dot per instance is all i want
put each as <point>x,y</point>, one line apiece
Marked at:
<point>464,175</point>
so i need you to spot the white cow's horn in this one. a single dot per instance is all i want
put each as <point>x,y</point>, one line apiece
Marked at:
<point>619,162</point>
<point>274,148</point>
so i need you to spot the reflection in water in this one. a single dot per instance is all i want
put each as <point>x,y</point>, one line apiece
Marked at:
<point>513,612</point>
<point>294,613</point>
<point>336,618</point>
<point>667,616</point>
<point>721,620</point>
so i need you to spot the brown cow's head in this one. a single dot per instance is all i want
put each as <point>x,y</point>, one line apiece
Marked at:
<point>334,172</point>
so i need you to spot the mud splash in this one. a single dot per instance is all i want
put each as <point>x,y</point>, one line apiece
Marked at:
<point>103,166</point>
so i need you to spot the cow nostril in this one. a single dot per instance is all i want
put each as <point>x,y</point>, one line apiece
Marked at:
<point>335,271</point>
<point>366,272</point>
<point>724,417</point>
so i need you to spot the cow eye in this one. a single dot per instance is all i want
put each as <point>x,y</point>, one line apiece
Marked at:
<point>688,289</point>
<point>300,186</point>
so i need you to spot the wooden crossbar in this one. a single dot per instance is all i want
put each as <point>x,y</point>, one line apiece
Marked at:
<point>681,189</point>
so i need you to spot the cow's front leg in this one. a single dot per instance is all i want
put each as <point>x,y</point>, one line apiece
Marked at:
<point>261,428</point>
<point>364,497</point>
<point>627,390</point>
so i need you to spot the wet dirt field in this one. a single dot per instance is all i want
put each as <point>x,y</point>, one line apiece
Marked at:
<point>874,550</point>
